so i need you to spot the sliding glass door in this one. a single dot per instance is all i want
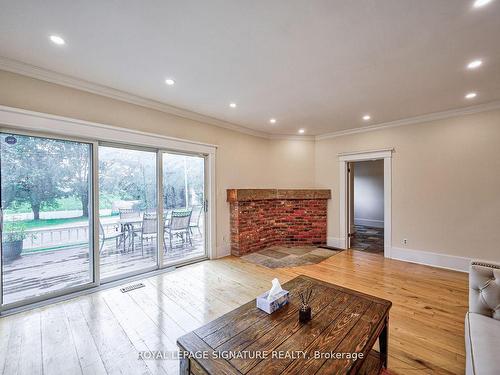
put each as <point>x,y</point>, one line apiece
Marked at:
<point>46,216</point>
<point>75,214</point>
<point>184,207</point>
<point>128,217</point>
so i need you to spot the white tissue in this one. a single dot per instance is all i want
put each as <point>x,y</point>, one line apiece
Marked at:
<point>275,289</point>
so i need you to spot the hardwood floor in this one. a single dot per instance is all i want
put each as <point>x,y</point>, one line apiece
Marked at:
<point>37,273</point>
<point>101,333</point>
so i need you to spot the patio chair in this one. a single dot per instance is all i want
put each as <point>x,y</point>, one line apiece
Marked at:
<point>129,213</point>
<point>195,219</point>
<point>148,230</point>
<point>130,219</point>
<point>118,236</point>
<point>178,226</point>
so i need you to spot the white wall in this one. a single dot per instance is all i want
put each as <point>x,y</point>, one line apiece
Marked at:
<point>446,173</point>
<point>243,161</point>
<point>369,193</point>
<point>445,183</point>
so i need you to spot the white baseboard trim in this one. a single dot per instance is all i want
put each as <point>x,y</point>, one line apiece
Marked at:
<point>335,242</point>
<point>369,222</point>
<point>223,250</point>
<point>451,262</point>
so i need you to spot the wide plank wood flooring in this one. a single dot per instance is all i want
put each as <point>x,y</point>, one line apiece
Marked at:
<point>101,333</point>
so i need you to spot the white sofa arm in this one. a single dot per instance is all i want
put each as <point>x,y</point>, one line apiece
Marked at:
<point>484,289</point>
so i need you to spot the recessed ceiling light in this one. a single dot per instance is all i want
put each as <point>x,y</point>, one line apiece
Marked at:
<point>366,117</point>
<point>480,3</point>
<point>170,81</point>
<point>56,39</point>
<point>272,121</point>
<point>470,95</point>
<point>302,131</point>
<point>232,105</point>
<point>474,64</point>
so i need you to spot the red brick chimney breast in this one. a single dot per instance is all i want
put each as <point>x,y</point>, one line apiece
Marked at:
<point>261,218</point>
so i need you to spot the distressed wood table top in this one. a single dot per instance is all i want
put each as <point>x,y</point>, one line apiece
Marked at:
<point>339,338</point>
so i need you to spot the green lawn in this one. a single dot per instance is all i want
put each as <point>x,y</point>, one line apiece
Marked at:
<point>33,224</point>
<point>65,204</point>
<point>62,204</point>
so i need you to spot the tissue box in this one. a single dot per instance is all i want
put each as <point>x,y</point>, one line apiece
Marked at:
<point>276,303</point>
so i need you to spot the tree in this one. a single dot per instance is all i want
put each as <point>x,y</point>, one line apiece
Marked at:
<point>77,170</point>
<point>34,171</point>
<point>183,181</point>
<point>128,174</point>
<point>8,177</point>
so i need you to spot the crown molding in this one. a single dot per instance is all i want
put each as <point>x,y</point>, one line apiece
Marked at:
<point>415,120</point>
<point>32,71</point>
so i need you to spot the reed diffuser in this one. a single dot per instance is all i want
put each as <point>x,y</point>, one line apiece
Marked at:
<point>305,309</point>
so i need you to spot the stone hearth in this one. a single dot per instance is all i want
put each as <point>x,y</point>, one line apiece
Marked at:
<point>261,218</point>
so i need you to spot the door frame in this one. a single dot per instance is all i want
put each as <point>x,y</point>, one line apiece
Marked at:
<point>344,159</point>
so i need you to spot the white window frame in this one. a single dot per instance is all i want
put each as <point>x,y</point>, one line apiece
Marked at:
<point>21,120</point>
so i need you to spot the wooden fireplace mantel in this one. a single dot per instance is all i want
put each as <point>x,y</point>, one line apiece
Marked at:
<point>241,195</point>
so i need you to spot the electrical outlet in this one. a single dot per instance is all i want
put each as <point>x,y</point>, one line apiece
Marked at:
<point>405,241</point>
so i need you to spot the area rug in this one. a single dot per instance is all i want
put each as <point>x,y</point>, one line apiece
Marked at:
<point>280,256</point>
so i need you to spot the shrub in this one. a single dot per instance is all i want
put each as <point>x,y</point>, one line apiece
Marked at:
<point>14,231</point>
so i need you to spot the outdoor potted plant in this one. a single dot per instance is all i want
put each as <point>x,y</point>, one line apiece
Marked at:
<point>13,235</point>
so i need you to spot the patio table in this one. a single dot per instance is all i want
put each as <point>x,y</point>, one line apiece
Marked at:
<point>127,227</point>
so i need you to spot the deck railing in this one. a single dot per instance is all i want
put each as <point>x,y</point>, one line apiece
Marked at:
<point>48,238</point>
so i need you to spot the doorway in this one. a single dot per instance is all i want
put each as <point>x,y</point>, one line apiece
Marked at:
<point>366,206</point>
<point>346,209</point>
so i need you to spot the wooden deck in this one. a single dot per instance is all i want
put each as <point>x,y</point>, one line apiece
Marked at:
<point>102,333</point>
<point>46,271</point>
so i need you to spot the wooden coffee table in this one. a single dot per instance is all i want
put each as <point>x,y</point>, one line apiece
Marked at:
<point>246,340</point>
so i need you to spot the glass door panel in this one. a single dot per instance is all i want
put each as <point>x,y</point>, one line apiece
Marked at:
<point>128,222</point>
<point>46,195</point>
<point>183,207</point>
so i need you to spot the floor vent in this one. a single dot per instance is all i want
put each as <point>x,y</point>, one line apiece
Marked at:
<point>132,287</point>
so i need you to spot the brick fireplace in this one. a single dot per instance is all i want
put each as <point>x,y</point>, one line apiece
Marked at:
<point>261,218</point>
